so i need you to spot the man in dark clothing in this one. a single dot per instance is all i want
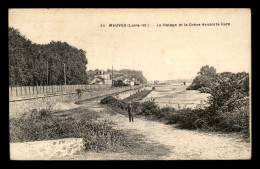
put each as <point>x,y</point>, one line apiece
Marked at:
<point>130,109</point>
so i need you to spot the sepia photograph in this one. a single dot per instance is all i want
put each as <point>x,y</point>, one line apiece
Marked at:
<point>129,84</point>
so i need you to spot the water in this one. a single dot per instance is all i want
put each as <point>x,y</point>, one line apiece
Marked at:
<point>176,95</point>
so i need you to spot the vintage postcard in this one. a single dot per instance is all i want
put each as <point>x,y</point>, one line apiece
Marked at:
<point>129,84</point>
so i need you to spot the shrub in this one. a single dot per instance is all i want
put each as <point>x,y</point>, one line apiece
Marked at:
<point>166,112</point>
<point>102,137</point>
<point>79,92</point>
<point>113,101</point>
<point>44,125</point>
<point>204,90</point>
<point>224,94</point>
<point>236,121</point>
<point>149,108</point>
<point>186,118</point>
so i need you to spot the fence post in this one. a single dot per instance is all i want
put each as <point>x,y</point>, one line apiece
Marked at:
<point>21,90</point>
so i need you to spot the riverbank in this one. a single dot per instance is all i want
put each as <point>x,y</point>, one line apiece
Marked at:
<point>146,139</point>
<point>198,118</point>
<point>45,129</point>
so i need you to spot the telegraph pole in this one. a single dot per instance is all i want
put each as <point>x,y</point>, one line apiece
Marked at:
<point>64,75</point>
<point>83,78</point>
<point>47,73</point>
<point>112,77</point>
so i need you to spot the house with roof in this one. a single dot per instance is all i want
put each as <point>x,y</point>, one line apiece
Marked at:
<point>100,77</point>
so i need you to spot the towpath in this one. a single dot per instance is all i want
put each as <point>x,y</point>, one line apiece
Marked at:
<point>183,144</point>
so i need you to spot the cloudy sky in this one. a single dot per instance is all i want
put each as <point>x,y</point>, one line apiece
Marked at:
<point>162,53</point>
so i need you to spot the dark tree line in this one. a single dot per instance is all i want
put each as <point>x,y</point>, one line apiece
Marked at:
<point>28,62</point>
<point>228,90</point>
<point>207,77</point>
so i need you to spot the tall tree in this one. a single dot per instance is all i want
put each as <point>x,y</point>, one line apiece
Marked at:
<point>28,62</point>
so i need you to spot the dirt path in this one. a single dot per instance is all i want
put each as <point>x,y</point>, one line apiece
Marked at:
<point>160,142</point>
<point>184,144</point>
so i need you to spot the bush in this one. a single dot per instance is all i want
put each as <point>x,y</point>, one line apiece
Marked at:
<point>236,121</point>
<point>44,125</point>
<point>199,82</point>
<point>102,137</point>
<point>79,92</point>
<point>165,112</point>
<point>204,90</point>
<point>149,108</point>
<point>113,101</point>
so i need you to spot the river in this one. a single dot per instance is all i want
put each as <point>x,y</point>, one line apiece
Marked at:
<point>176,95</point>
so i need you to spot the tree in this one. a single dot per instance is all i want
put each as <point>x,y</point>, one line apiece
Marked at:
<point>28,62</point>
<point>140,80</point>
<point>226,93</point>
<point>204,79</point>
<point>207,71</point>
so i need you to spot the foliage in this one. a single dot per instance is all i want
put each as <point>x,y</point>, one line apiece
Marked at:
<point>207,71</point>
<point>113,101</point>
<point>149,108</point>
<point>227,92</point>
<point>208,78</point>
<point>204,79</point>
<point>204,90</point>
<point>45,125</point>
<point>236,121</point>
<point>28,62</point>
<point>118,83</point>
<point>137,96</point>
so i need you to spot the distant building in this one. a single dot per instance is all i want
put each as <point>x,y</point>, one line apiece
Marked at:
<point>156,82</point>
<point>100,77</point>
<point>102,74</point>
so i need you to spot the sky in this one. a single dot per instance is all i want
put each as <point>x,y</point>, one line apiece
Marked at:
<point>162,53</point>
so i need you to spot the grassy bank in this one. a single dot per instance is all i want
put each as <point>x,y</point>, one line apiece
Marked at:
<point>48,125</point>
<point>98,133</point>
<point>137,96</point>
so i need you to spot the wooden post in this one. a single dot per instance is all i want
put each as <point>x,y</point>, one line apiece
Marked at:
<point>112,77</point>
<point>64,75</point>
<point>47,73</point>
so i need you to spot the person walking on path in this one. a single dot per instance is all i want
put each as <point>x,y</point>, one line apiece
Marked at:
<point>130,109</point>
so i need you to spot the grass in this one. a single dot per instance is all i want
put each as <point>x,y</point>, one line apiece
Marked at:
<point>137,96</point>
<point>97,135</point>
<point>47,125</point>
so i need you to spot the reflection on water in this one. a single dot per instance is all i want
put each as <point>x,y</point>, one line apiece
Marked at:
<point>176,96</point>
